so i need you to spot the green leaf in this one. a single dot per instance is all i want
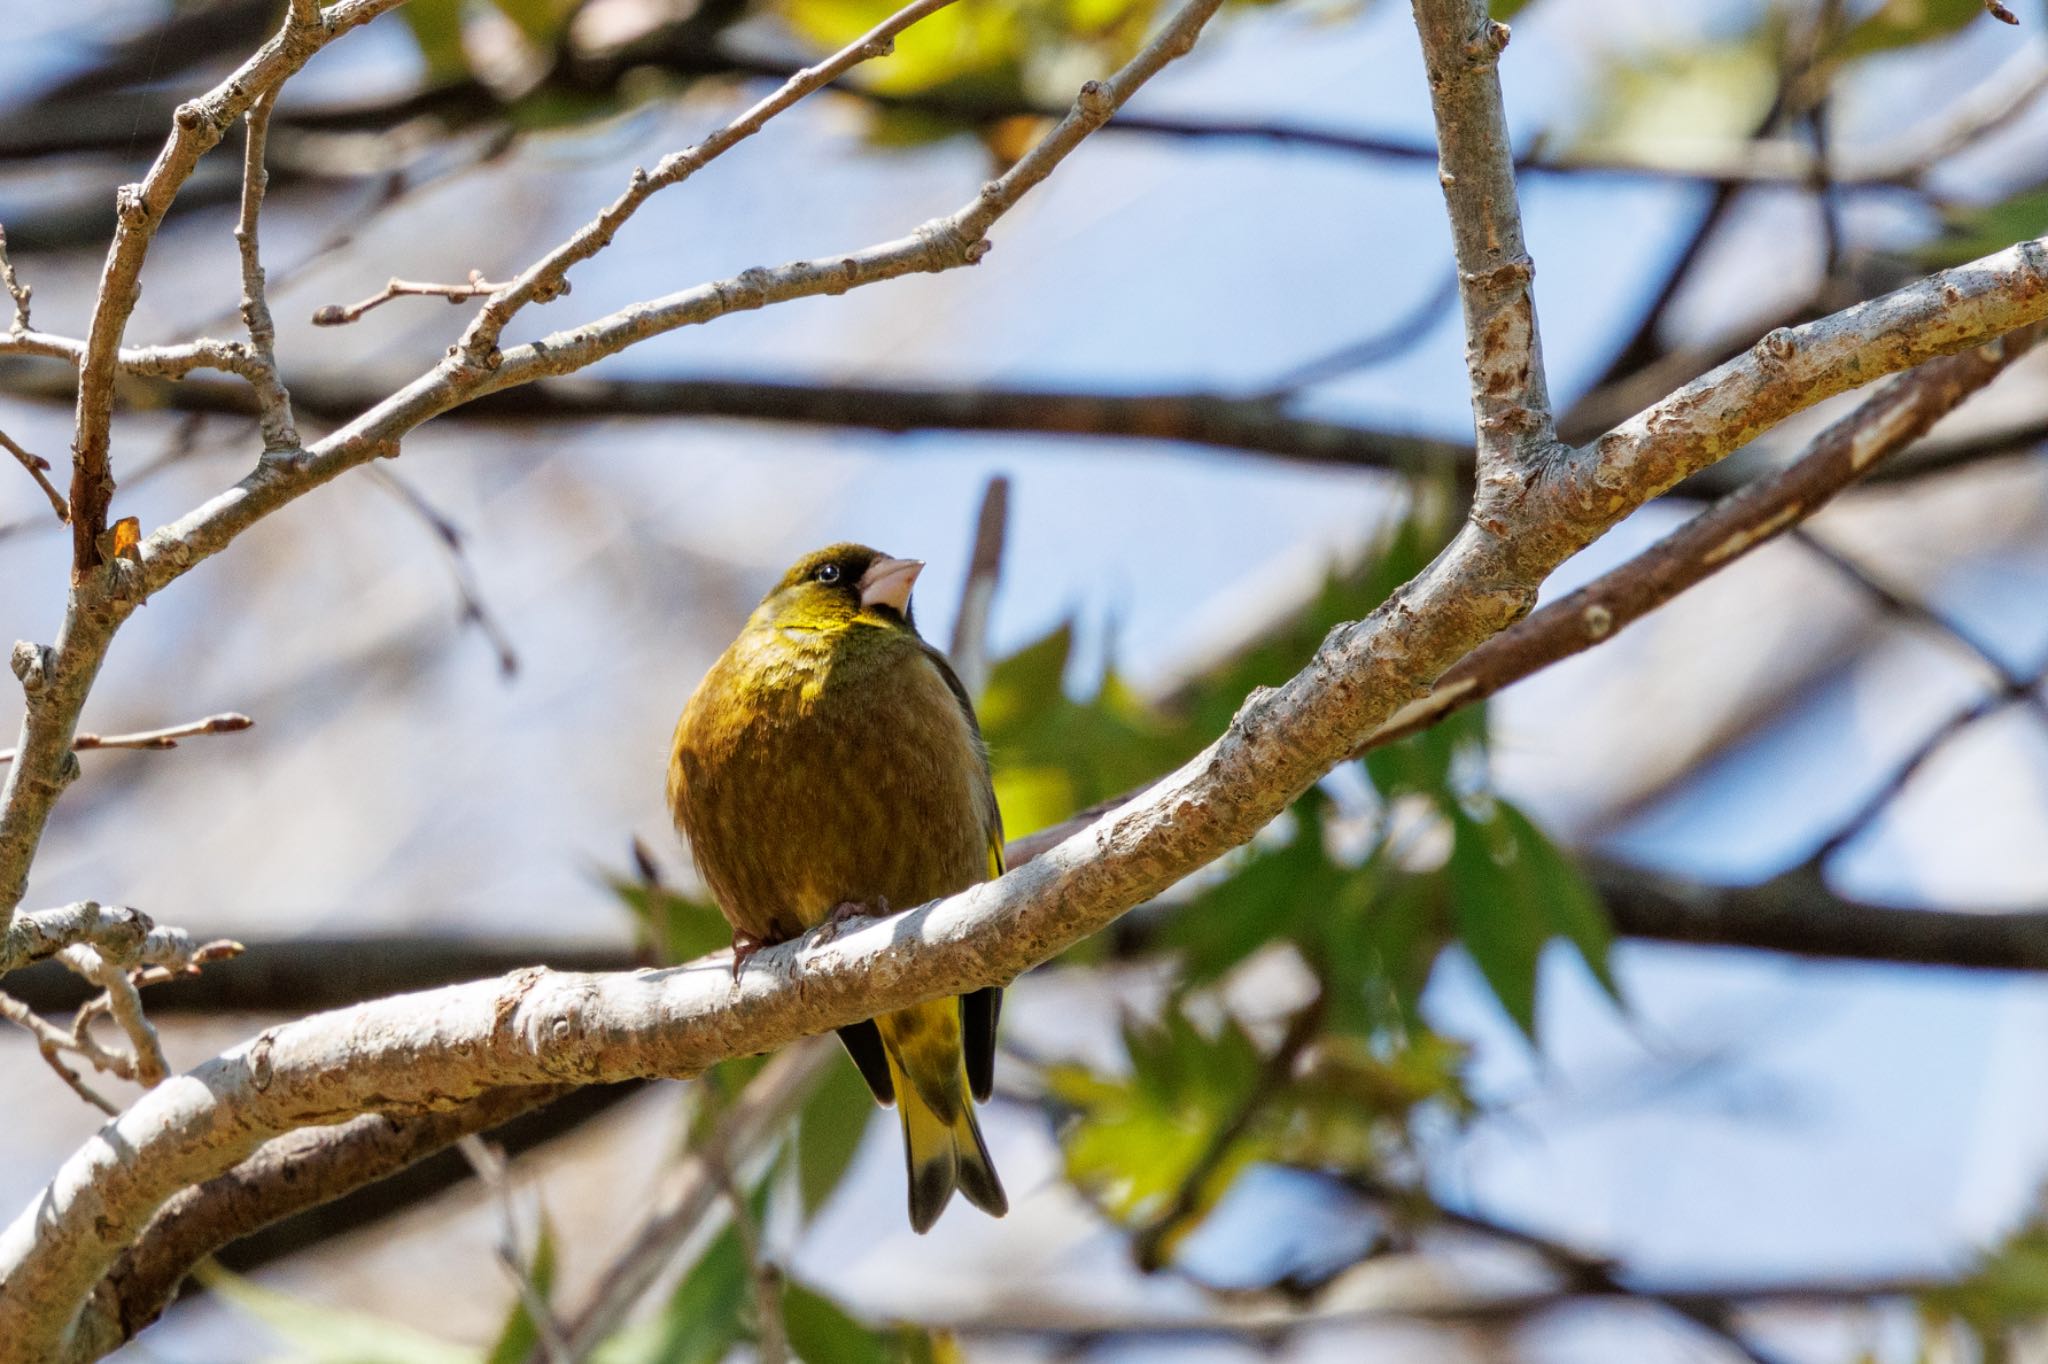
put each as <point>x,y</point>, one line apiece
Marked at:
<point>328,1335</point>
<point>828,1132</point>
<point>1502,930</point>
<point>674,927</point>
<point>1713,92</point>
<point>1905,23</point>
<point>1553,882</point>
<point>821,1331</point>
<point>437,30</point>
<point>1979,231</point>
<point>520,1334</point>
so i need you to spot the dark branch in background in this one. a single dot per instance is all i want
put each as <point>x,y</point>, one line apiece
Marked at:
<point>473,609</point>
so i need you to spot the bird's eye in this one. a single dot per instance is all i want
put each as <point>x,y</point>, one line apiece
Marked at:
<point>828,573</point>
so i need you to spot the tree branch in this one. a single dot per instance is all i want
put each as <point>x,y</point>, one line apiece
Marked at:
<point>426,1051</point>
<point>37,468</point>
<point>280,434</point>
<point>228,722</point>
<point>196,128</point>
<point>1461,48</point>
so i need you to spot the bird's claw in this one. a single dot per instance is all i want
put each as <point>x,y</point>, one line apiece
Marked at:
<point>845,912</point>
<point>744,946</point>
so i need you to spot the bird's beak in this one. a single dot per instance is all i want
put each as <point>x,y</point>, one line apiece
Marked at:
<point>888,582</point>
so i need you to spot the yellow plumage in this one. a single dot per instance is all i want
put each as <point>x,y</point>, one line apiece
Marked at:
<point>830,759</point>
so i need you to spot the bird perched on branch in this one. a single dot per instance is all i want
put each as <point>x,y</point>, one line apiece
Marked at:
<point>830,766</point>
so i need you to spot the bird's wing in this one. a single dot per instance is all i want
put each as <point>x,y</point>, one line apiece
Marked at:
<point>980,1010</point>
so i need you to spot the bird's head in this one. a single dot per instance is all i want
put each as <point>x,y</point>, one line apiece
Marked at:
<point>840,585</point>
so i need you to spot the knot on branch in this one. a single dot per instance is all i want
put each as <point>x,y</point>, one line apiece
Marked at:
<point>1093,101</point>
<point>1776,346</point>
<point>946,246</point>
<point>33,664</point>
<point>1488,43</point>
<point>1513,271</point>
<point>130,207</point>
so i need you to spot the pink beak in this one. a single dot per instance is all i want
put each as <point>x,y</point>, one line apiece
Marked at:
<point>888,582</point>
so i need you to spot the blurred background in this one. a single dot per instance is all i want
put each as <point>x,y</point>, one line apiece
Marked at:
<point>1419,1077</point>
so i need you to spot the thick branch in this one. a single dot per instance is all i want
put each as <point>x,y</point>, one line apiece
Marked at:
<point>1461,48</point>
<point>1897,415</point>
<point>303,1170</point>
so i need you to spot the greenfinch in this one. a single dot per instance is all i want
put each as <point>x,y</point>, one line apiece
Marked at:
<point>828,766</point>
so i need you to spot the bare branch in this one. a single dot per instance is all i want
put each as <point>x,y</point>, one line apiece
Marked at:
<point>491,1170</point>
<point>140,208</point>
<point>340,315</point>
<point>1510,404</point>
<point>16,290</point>
<point>228,722</point>
<point>52,1043</point>
<point>1890,420</point>
<point>291,1174</point>
<point>280,434</point>
<point>125,1005</point>
<point>37,468</point>
<point>473,609</point>
<point>548,278</point>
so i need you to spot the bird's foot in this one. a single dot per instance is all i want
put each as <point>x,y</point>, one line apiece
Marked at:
<point>744,946</point>
<point>845,912</point>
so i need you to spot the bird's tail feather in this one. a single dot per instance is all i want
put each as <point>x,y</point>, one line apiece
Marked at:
<point>942,1155</point>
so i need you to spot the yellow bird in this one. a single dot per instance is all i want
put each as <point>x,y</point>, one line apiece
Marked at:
<point>829,766</point>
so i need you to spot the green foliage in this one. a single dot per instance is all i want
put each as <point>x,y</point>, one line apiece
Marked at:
<point>671,928</point>
<point>1979,230</point>
<point>822,1332</point>
<point>2005,1293</point>
<point>1907,23</point>
<point>1708,92</point>
<point>828,1133</point>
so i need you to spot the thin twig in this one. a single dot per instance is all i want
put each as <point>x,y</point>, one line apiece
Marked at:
<point>771,1334</point>
<point>1150,1244</point>
<point>16,290</point>
<point>125,1006</point>
<point>52,1043</point>
<point>228,722</point>
<point>340,315</point>
<point>474,610</point>
<point>1461,48</point>
<point>489,1164</point>
<point>1889,790</point>
<point>548,278</point>
<point>140,209</point>
<point>759,1111</point>
<point>280,433</point>
<point>37,468</point>
<point>1912,609</point>
<point>969,649</point>
<point>1394,339</point>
